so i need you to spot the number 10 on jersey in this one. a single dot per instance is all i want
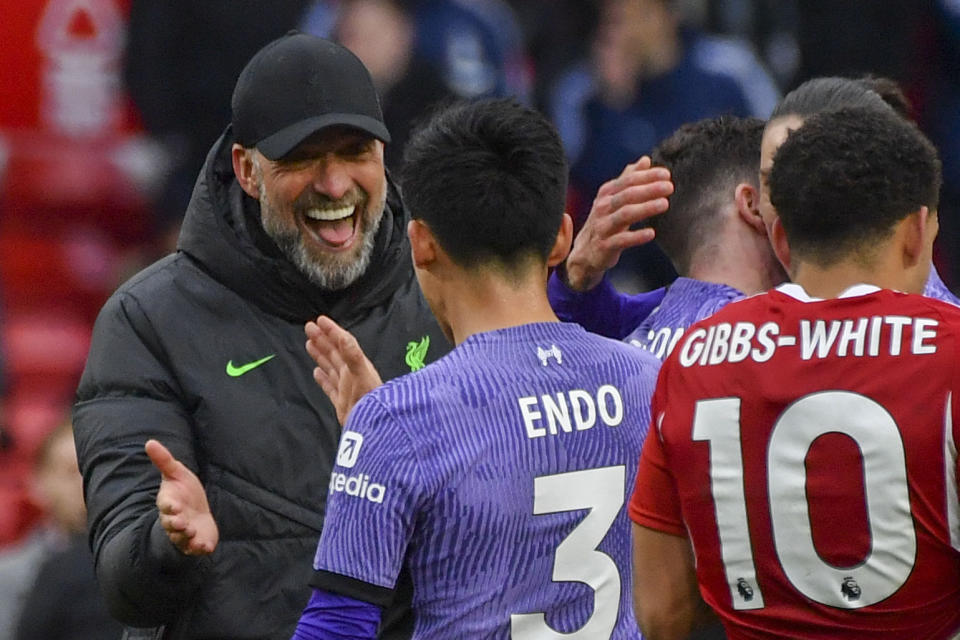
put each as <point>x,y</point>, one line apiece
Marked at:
<point>893,539</point>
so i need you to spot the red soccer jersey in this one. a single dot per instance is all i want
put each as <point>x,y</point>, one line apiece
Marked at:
<point>808,448</point>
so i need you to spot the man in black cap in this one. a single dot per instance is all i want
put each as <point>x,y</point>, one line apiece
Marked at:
<point>292,217</point>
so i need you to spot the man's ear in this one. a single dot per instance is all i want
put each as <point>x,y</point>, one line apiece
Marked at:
<point>781,248</point>
<point>423,246</point>
<point>243,169</point>
<point>919,229</point>
<point>748,207</point>
<point>561,246</point>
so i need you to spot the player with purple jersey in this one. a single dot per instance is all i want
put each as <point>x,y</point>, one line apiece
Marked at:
<point>713,234</point>
<point>496,476</point>
<point>686,301</point>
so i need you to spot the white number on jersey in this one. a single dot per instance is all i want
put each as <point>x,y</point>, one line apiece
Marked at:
<point>893,547</point>
<point>577,558</point>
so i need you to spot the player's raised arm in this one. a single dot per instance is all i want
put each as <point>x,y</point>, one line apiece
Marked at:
<point>182,502</point>
<point>637,194</point>
<point>343,371</point>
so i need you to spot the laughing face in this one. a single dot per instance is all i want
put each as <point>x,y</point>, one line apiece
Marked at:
<point>322,203</point>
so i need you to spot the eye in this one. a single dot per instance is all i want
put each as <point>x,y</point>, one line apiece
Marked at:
<point>356,148</point>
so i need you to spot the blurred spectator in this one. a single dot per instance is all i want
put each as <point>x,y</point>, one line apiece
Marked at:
<point>477,45</point>
<point>555,34</point>
<point>64,601</point>
<point>382,34</point>
<point>18,566</point>
<point>48,581</point>
<point>181,62</point>
<point>647,76</point>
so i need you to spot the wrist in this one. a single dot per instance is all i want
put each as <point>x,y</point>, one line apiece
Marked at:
<point>578,277</point>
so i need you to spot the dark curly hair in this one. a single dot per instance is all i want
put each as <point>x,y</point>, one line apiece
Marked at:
<point>707,160</point>
<point>489,178</point>
<point>843,180</point>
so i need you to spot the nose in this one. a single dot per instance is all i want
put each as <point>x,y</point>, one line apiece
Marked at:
<point>331,176</point>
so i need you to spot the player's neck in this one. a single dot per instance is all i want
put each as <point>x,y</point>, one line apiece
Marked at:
<point>476,304</point>
<point>739,267</point>
<point>831,281</point>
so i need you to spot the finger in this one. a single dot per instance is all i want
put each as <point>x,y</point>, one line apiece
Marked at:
<point>162,459</point>
<point>167,506</point>
<point>178,524</point>
<point>360,366</point>
<point>644,176</point>
<point>319,341</point>
<point>326,383</point>
<point>637,173</point>
<point>321,359</point>
<point>635,238</point>
<point>353,355</point>
<point>643,162</point>
<point>179,540</point>
<point>637,194</point>
<point>634,213</point>
<point>328,326</point>
<point>199,546</point>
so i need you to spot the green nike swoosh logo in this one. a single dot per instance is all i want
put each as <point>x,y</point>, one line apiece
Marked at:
<point>234,371</point>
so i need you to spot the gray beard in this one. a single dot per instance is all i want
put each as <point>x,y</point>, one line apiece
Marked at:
<point>332,275</point>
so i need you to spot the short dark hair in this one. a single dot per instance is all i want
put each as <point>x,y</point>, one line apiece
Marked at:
<point>489,178</point>
<point>844,179</point>
<point>891,93</point>
<point>829,94</point>
<point>707,160</point>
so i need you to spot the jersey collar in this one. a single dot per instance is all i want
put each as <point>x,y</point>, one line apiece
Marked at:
<point>797,292</point>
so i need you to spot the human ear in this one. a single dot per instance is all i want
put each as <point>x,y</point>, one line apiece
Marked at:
<point>748,206</point>
<point>243,169</point>
<point>423,245</point>
<point>561,246</point>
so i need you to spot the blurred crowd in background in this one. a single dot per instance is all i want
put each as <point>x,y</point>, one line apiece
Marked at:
<point>108,109</point>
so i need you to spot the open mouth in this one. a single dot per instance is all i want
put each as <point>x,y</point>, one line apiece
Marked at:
<point>334,227</point>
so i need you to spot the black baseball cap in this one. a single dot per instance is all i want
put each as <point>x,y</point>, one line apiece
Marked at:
<point>298,85</point>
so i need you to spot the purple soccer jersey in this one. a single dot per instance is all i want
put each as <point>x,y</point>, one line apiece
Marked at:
<point>935,288</point>
<point>686,301</point>
<point>497,476</point>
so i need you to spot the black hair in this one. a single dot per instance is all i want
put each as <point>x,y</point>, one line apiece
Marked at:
<point>828,94</point>
<point>843,180</point>
<point>890,91</point>
<point>707,160</point>
<point>489,178</point>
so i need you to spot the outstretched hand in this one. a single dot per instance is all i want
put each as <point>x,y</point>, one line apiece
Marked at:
<point>639,193</point>
<point>343,371</point>
<point>182,502</point>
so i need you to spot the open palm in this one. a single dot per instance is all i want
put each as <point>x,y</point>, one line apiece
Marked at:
<point>182,502</point>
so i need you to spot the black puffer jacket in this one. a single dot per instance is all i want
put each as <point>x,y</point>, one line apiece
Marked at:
<point>262,442</point>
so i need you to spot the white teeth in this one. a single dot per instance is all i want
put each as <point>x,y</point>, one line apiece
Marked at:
<point>330,214</point>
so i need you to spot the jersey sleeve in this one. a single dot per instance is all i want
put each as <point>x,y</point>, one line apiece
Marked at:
<point>602,310</point>
<point>374,496</point>
<point>655,502</point>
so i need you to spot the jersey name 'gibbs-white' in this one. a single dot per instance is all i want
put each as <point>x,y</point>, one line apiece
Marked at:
<point>866,336</point>
<point>571,410</point>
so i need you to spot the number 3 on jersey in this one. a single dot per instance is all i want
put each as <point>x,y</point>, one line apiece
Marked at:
<point>577,558</point>
<point>893,546</point>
